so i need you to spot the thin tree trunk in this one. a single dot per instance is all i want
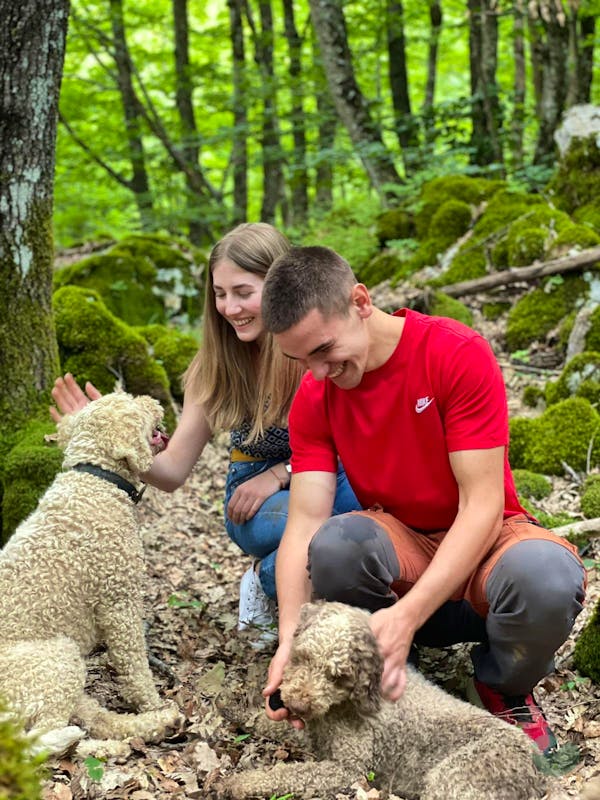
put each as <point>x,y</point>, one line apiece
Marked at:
<point>404,121</point>
<point>351,106</point>
<point>239,148</point>
<point>327,125</point>
<point>483,55</point>
<point>32,44</point>
<point>139,183</point>
<point>428,113</point>
<point>518,117</point>
<point>582,28</point>
<point>199,231</point>
<point>298,178</point>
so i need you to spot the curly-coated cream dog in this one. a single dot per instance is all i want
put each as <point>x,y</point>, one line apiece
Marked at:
<point>428,745</point>
<point>70,580</point>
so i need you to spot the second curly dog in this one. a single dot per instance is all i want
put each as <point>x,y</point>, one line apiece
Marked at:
<point>428,745</point>
<point>71,579</point>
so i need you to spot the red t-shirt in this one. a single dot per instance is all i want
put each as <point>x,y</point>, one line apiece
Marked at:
<point>440,391</point>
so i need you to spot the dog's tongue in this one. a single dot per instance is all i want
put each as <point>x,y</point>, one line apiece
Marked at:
<point>159,440</point>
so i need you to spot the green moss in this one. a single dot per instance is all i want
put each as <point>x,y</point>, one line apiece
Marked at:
<point>531,484</point>
<point>532,396</point>
<point>579,378</point>
<point>592,339</point>
<point>577,181</point>
<point>395,223</point>
<point>435,193</point>
<point>494,311</point>
<point>542,309</point>
<point>574,235</point>
<point>590,497</point>
<point>445,306</point>
<point>470,262</point>
<point>140,280</point>
<point>526,246</point>
<point>589,215</point>
<point>563,433</point>
<point>383,266</point>
<point>546,520</point>
<point>28,468</point>
<point>97,346</point>
<point>173,350</point>
<point>20,773</point>
<point>586,655</point>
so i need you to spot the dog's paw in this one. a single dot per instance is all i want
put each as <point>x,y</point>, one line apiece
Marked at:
<point>56,742</point>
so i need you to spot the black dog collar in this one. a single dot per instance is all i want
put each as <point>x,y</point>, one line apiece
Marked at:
<point>112,477</point>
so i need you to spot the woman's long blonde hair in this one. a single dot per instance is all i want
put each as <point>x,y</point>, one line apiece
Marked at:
<point>223,376</point>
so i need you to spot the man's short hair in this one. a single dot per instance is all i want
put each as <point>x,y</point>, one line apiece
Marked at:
<point>304,279</point>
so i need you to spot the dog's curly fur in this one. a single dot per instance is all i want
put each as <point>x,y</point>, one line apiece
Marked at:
<point>70,580</point>
<point>428,745</point>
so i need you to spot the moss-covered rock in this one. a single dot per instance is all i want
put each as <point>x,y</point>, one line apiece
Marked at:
<point>494,311</point>
<point>592,338</point>
<point>95,345</point>
<point>589,215</point>
<point>563,433</point>
<point>384,266</point>
<point>143,279</point>
<point>26,471</point>
<point>579,378</point>
<point>173,350</point>
<point>542,309</point>
<point>20,772</point>
<point>395,223</point>
<point>531,484</point>
<point>532,396</point>
<point>581,236</point>
<point>586,655</point>
<point>577,180</point>
<point>443,305</point>
<point>590,497</point>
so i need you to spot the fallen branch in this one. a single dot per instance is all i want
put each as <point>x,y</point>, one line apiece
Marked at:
<point>589,527</point>
<point>515,274</point>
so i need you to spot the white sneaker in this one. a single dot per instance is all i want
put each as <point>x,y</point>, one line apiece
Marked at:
<point>256,609</point>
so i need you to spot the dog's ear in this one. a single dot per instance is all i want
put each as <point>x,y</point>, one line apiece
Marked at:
<point>366,686</point>
<point>307,612</point>
<point>65,428</point>
<point>151,407</point>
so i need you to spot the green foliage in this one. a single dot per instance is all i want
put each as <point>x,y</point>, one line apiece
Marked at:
<point>590,497</point>
<point>531,484</point>
<point>563,433</point>
<point>445,306</point>
<point>579,378</point>
<point>350,231</point>
<point>546,520</point>
<point>143,279</point>
<point>27,469</point>
<point>173,350</point>
<point>586,655</point>
<point>95,345</point>
<point>20,773</point>
<point>94,767</point>
<point>542,309</point>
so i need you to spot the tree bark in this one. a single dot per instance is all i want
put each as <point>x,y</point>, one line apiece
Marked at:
<point>406,126</point>
<point>139,183</point>
<point>32,47</point>
<point>327,125</point>
<point>239,148</point>
<point>582,28</point>
<point>298,177</point>
<point>518,117</point>
<point>428,112</point>
<point>483,58</point>
<point>330,26</point>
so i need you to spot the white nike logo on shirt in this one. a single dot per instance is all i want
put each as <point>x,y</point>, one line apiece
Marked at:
<point>423,403</point>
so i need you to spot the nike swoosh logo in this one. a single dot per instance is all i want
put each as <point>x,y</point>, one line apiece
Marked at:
<point>420,409</point>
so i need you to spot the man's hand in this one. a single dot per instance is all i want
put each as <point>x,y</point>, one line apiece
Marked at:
<point>69,397</point>
<point>394,636</point>
<point>250,495</point>
<point>276,667</point>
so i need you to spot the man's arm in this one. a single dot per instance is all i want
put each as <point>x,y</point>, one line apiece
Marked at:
<point>311,503</point>
<point>480,478</point>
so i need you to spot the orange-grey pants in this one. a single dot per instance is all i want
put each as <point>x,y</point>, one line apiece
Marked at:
<point>519,604</point>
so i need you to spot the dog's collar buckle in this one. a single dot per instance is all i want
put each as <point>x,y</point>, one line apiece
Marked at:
<point>112,477</point>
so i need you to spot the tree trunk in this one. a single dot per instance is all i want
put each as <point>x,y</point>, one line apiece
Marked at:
<point>239,148</point>
<point>405,124</point>
<point>548,20</point>
<point>298,179</point>
<point>139,183</point>
<point>428,112</point>
<point>483,57</point>
<point>518,118</point>
<point>330,25</point>
<point>199,231</point>
<point>582,28</point>
<point>327,124</point>
<point>32,44</point>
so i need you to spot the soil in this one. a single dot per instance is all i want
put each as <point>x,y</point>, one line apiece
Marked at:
<point>200,659</point>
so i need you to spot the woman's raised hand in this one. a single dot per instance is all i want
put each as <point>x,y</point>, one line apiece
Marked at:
<point>69,397</point>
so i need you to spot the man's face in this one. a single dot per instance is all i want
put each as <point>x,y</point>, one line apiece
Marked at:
<point>335,347</point>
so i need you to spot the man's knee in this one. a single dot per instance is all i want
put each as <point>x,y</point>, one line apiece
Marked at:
<point>351,559</point>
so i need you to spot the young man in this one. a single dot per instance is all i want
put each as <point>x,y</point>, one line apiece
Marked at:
<point>415,407</point>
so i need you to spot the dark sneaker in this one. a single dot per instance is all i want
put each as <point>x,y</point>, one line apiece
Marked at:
<point>520,710</point>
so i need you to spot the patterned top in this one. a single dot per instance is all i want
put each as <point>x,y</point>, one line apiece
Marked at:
<point>274,444</point>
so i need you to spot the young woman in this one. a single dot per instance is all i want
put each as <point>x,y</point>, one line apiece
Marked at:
<point>240,381</point>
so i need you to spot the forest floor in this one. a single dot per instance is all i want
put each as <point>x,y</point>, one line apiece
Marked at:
<point>202,662</point>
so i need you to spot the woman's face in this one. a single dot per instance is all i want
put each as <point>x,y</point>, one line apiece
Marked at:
<point>237,298</point>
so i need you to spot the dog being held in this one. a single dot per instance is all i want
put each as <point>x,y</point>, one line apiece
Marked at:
<point>428,745</point>
<point>71,579</point>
